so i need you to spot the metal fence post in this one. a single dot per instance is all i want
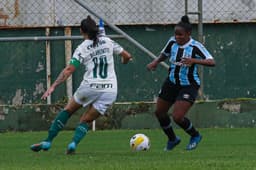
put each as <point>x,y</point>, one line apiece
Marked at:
<point>199,13</point>
<point>48,64</point>
<point>68,53</point>
<point>200,38</point>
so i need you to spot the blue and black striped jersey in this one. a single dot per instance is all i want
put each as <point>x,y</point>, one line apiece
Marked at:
<point>179,73</point>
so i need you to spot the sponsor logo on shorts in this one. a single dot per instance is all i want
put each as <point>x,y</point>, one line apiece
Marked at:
<point>101,86</point>
<point>186,96</point>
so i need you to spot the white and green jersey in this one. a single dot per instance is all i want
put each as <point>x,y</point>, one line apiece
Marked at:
<point>99,63</point>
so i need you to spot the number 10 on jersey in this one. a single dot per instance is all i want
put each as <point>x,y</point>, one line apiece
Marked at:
<point>100,67</point>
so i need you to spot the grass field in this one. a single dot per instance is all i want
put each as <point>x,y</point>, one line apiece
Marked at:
<point>220,149</point>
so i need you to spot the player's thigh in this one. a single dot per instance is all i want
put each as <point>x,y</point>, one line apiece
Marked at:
<point>90,115</point>
<point>162,107</point>
<point>184,101</point>
<point>99,107</point>
<point>72,106</point>
<point>166,97</point>
<point>180,108</point>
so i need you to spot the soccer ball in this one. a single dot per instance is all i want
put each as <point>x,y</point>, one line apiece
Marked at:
<point>139,142</point>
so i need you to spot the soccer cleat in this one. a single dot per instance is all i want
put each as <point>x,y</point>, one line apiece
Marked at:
<point>194,141</point>
<point>71,148</point>
<point>171,144</point>
<point>45,146</point>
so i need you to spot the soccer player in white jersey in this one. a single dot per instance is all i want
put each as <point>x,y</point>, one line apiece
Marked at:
<point>181,86</point>
<point>98,89</point>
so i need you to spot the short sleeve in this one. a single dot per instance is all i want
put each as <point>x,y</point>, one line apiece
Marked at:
<point>202,52</point>
<point>117,49</point>
<point>78,54</point>
<point>77,57</point>
<point>167,48</point>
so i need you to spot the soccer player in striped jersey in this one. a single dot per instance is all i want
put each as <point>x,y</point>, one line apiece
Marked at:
<point>180,89</point>
<point>98,89</point>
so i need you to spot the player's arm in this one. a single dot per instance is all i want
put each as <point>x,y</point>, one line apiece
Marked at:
<point>155,62</point>
<point>63,76</point>
<point>163,55</point>
<point>118,50</point>
<point>205,58</point>
<point>125,57</point>
<point>66,72</point>
<point>205,62</point>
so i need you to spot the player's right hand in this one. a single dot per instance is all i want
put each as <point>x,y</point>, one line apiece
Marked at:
<point>48,93</point>
<point>152,65</point>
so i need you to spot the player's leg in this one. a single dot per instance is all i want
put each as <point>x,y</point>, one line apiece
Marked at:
<point>179,111</point>
<point>167,96</point>
<point>97,108</point>
<point>162,108</point>
<point>57,125</point>
<point>62,118</point>
<point>184,102</point>
<point>82,128</point>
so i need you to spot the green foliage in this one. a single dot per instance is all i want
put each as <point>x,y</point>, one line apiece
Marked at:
<point>119,112</point>
<point>220,149</point>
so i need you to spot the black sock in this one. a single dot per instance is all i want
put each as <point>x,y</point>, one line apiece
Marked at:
<point>188,127</point>
<point>165,123</point>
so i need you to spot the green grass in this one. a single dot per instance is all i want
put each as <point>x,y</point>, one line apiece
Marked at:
<point>220,149</point>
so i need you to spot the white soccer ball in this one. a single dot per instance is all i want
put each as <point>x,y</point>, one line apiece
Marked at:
<point>139,142</point>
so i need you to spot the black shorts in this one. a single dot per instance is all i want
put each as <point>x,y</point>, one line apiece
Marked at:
<point>172,92</point>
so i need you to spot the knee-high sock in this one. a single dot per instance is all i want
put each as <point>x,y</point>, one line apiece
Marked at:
<point>80,132</point>
<point>165,123</point>
<point>57,125</point>
<point>187,126</point>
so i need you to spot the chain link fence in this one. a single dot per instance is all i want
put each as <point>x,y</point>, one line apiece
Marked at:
<point>229,11</point>
<point>30,13</point>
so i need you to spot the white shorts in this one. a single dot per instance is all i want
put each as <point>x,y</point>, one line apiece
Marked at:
<point>100,100</point>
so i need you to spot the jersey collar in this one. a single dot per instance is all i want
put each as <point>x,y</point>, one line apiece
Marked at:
<point>187,44</point>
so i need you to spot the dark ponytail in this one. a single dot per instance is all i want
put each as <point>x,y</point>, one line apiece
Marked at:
<point>185,23</point>
<point>89,27</point>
